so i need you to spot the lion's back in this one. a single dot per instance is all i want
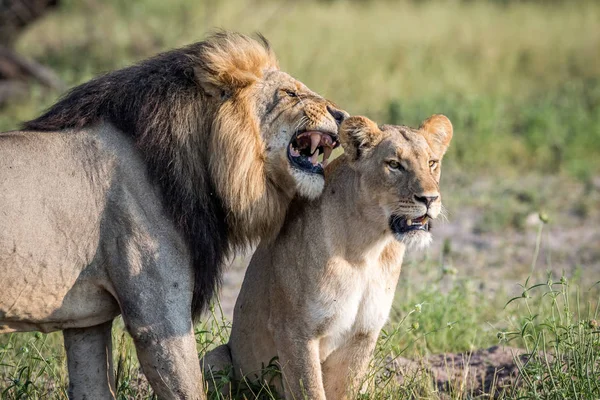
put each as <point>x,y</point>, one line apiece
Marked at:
<point>47,180</point>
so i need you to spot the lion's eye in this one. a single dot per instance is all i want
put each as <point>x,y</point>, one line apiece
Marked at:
<point>291,93</point>
<point>393,164</point>
<point>433,164</point>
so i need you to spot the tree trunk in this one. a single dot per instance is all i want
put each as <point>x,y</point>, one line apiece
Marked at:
<point>16,15</point>
<point>15,70</point>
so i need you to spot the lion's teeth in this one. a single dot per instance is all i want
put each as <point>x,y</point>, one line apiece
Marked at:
<point>315,140</point>
<point>409,222</point>
<point>293,151</point>
<point>326,141</point>
<point>314,159</point>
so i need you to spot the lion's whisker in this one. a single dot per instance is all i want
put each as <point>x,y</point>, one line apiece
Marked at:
<point>301,123</point>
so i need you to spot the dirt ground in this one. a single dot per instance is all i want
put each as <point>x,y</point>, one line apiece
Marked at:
<point>481,373</point>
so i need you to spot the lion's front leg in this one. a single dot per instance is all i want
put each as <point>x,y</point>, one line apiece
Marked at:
<point>170,362</point>
<point>154,287</point>
<point>89,360</point>
<point>161,328</point>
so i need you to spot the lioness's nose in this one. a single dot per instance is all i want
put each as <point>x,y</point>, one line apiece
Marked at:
<point>338,115</point>
<point>427,200</point>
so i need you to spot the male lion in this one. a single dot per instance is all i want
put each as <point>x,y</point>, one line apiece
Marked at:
<point>127,195</point>
<point>318,296</point>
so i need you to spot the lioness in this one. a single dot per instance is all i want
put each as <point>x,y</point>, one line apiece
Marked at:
<point>128,194</point>
<point>318,296</point>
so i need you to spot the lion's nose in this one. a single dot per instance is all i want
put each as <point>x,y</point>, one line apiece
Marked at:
<point>338,115</point>
<point>427,200</point>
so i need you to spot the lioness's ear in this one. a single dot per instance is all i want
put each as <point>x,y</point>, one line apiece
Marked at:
<point>229,61</point>
<point>437,130</point>
<point>358,134</point>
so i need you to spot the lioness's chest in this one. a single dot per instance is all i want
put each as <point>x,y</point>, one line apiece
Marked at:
<point>353,302</point>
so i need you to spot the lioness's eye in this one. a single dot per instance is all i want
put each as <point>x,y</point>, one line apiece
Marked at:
<point>393,164</point>
<point>291,93</point>
<point>432,164</point>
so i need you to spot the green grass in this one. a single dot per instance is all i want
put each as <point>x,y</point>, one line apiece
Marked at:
<point>436,310</point>
<point>562,337</point>
<point>550,132</point>
<point>556,322</point>
<point>520,82</point>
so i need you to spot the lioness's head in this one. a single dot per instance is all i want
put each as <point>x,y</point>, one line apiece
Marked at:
<point>269,125</point>
<point>400,171</point>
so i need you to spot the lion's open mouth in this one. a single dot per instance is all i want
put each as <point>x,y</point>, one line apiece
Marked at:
<point>403,225</point>
<point>306,147</point>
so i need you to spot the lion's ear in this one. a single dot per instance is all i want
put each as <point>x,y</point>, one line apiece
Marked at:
<point>230,61</point>
<point>358,134</point>
<point>437,130</point>
<point>222,82</point>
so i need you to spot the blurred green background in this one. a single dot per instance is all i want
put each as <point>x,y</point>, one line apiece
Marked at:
<point>520,80</point>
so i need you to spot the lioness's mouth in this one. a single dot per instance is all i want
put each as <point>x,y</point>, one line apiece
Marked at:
<point>306,147</point>
<point>403,225</point>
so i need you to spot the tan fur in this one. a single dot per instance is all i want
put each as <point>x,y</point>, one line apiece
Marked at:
<point>319,294</point>
<point>253,186</point>
<point>116,202</point>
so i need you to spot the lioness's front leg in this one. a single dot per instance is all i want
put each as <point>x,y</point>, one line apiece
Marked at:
<point>89,360</point>
<point>345,368</point>
<point>300,366</point>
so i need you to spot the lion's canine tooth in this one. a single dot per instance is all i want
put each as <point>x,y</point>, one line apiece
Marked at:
<point>314,159</point>
<point>315,140</point>
<point>409,222</point>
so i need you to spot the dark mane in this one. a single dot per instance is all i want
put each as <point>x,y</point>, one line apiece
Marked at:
<point>158,103</point>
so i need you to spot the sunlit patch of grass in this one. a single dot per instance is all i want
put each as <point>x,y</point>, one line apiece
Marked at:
<point>557,323</point>
<point>561,334</point>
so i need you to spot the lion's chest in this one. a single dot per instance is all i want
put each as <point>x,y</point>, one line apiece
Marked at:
<point>353,302</point>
